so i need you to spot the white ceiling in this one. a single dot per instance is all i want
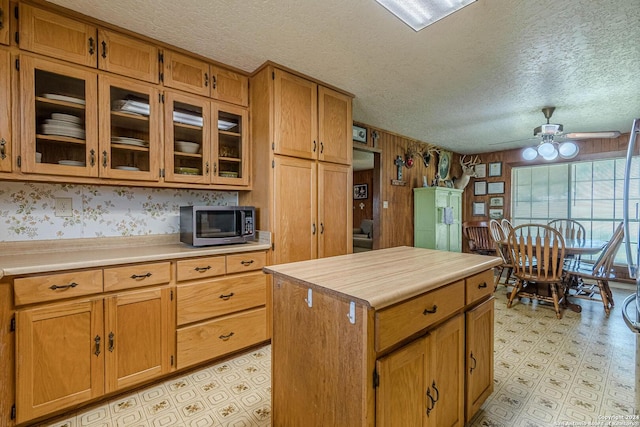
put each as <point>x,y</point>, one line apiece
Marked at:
<point>469,83</point>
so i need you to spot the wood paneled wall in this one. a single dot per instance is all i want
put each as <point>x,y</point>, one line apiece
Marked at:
<point>366,211</point>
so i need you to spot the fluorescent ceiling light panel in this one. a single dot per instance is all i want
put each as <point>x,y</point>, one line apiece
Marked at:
<point>420,13</point>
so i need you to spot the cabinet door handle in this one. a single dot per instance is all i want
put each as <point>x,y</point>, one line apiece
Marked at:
<point>97,341</point>
<point>226,337</point>
<point>104,49</point>
<point>111,342</point>
<point>207,168</point>
<point>215,82</point>
<point>313,228</point>
<point>482,285</point>
<point>206,79</point>
<point>226,297</point>
<point>140,276</point>
<point>92,46</point>
<point>201,269</point>
<point>314,146</point>
<point>322,228</point>
<point>321,147</point>
<point>433,385</point>
<point>246,263</point>
<point>433,402</point>
<point>56,287</point>
<point>475,363</point>
<point>3,149</point>
<point>104,159</point>
<point>92,157</point>
<point>1,19</point>
<point>432,311</point>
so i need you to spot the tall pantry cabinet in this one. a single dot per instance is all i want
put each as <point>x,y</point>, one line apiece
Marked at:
<point>302,164</point>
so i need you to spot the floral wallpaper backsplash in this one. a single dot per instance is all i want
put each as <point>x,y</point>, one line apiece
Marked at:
<point>27,210</point>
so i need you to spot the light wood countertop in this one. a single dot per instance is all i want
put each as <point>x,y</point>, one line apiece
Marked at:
<point>18,258</point>
<point>384,277</point>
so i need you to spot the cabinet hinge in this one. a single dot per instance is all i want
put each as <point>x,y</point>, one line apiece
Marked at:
<point>161,173</point>
<point>18,64</point>
<point>273,75</point>
<point>16,12</point>
<point>376,378</point>
<point>12,325</point>
<point>13,411</point>
<point>171,297</point>
<point>161,77</point>
<point>19,161</point>
<point>273,146</point>
<point>161,57</point>
<point>172,360</point>
<point>273,246</point>
<point>273,163</point>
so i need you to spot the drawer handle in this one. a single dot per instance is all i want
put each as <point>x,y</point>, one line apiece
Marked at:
<point>201,269</point>
<point>246,263</point>
<point>226,297</point>
<point>482,285</point>
<point>433,310</point>
<point>140,276</point>
<point>475,363</point>
<point>70,285</point>
<point>226,337</point>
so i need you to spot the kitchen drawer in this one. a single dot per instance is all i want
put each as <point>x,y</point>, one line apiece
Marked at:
<point>208,340</point>
<point>246,262</point>
<point>479,286</point>
<point>400,321</point>
<point>204,300</point>
<point>200,268</point>
<point>48,287</point>
<point>136,276</point>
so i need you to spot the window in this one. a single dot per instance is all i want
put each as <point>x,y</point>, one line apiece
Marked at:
<point>589,192</point>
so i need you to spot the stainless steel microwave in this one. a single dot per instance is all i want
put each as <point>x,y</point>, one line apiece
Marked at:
<point>217,225</point>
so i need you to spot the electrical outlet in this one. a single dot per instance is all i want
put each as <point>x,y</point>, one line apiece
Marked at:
<point>64,206</point>
<point>385,205</point>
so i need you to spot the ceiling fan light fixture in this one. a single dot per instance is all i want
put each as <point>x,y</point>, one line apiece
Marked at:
<point>551,156</point>
<point>568,150</point>
<point>529,153</point>
<point>546,149</point>
<point>419,14</point>
<point>548,129</point>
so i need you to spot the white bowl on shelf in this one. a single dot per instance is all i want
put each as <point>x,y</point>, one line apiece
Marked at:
<point>187,147</point>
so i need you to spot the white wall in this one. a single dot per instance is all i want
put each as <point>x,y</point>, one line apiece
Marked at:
<point>27,210</point>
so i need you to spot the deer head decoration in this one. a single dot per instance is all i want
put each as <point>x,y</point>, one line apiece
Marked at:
<point>468,171</point>
<point>422,150</point>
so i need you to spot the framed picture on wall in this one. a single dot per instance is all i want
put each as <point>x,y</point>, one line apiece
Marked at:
<point>480,188</point>
<point>496,213</point>
<point>481,170</point>
<point>360,191</point>
<point>495,169</point>
<point>479,209</point>
<point>496,201</point>
<point>496,187</point>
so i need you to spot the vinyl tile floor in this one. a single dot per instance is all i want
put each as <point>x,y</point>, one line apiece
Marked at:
<point>579,370</point>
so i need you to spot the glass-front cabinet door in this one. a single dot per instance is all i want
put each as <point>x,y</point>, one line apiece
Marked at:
<point>59,132</point>
<point>129,129</point>
<point>187,138</point>
<point>230,142</point>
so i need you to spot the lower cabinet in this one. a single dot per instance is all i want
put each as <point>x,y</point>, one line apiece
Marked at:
<point>423,381</point>
<point>479,357</point>
<point>72,352</point>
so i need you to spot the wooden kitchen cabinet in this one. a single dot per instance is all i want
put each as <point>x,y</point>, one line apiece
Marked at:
<point>52,34</point>
<point>60,357</point>
<point>434,363</point>
<point>335,126</point>
<point>479,356</point>
<point>59,118</point>
<point>230,145</point>
<point>197,76</point>
<point>138,337</point>
<point>130,145</point>
<point>4,22</point>
<point>6,141</point>
<point>334,194</point>
<point>410,329</point>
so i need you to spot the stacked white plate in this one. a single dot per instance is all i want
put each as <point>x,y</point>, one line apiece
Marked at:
<point>129,141</point>
<point>128,168</point>
<point>71,163</point>
<point>65,98</point>
<point>63,125</point>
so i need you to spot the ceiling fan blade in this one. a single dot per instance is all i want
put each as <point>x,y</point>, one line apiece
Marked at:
<point>591,135</point>
<point>527,140</point>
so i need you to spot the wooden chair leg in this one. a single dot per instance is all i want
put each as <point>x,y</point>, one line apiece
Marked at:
<point>604,295</point>
<point>516,288</point>
<point>556,301</point>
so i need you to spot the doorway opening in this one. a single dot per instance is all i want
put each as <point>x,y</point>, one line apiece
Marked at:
<point>366,199</point>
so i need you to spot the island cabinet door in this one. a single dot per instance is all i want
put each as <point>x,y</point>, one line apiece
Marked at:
<point>60,357</point>
<point>479,356</point>
<point>401,395</point>
<point>137,335</point>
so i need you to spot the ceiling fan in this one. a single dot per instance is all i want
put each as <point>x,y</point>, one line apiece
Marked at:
<point>553,142</point>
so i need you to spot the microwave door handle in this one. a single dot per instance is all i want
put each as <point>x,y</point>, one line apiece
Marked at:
<point>242,219</point>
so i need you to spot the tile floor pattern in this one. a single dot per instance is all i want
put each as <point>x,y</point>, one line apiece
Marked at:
<point>547,372</point>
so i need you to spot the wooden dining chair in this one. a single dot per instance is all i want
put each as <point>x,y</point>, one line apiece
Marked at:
<point>477,235</point>
<point>500,242</point>
<point>506,226</point>
<point>569,228</point>
<point>537,253</point>
<point>580,275</point>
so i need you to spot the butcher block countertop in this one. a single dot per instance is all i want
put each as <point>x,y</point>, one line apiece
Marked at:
<point>18,258</point>
<point>384,277</point>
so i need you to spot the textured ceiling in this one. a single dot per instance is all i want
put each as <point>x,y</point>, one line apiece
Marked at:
<point>471,82</point>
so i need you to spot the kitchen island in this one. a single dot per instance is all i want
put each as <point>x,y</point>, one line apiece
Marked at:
<point>400,336</point>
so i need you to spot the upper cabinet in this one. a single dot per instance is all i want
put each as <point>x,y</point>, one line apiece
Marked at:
<point>4,21</point>
<point>193,75</point>
<point>51,34</point>
<point>5,122</point>
<point>324,120</point>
